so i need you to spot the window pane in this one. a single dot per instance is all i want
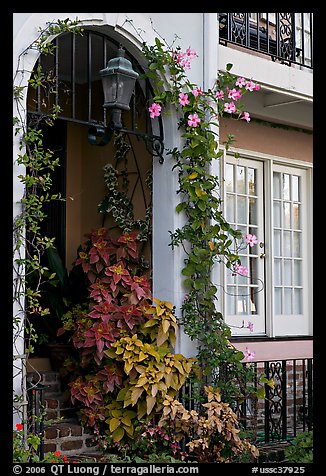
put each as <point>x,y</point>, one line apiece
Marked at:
<point>253,211</point>
<point>277,271</point>
<point>278,301</point>
<point>230,208</point>
<point>287,280</point>
<point>287,301</point>
<point>241,210</point>
<point>244,279</point>
<point>297,301</point>
<point>253,301</point>
<point>242,301</point>
<point>251,177</point>
<point>230,276</point>
<point>231,300</point>
<point>277,214</point>
<point>287,243</point>
<point>229,183</point>
<point>277,243</point>
<point>277,185</point>
<point>296,216</point>
<point>295,188</point>
<point>297,281</point>
<point>286,215</point>
<point>253,270</point>
<point>286,187</point>
<point>297,244</point>
<point>241,184</point>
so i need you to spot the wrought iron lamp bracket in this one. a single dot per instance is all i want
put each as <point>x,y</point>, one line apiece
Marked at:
<point>100,135</point>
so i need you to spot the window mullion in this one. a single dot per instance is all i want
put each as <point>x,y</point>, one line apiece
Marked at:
<point>269,247</point>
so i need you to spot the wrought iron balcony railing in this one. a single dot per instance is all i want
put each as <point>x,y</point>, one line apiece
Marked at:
<point>285,37</point>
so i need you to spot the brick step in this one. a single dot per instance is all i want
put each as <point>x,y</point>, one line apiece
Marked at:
<point>273,452</point>
<point>64,434</point>
<point>59,406</point>
<point>50,379</point>
<point>69,438</point>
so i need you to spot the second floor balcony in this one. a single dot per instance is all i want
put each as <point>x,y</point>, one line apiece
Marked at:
<point>284,37</point>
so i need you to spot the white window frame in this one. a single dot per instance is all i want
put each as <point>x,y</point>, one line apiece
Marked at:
<point>307,28</point>
<point>274,327</point>
<point>258,320</point>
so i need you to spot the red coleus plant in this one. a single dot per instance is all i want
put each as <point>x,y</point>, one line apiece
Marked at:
<point>130,248</point>
<point>88,392</point>
<point>125,362</point>
<point>119,296</point>
<point>100,335</point>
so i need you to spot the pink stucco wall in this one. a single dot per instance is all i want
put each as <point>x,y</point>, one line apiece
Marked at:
<point>260,137</point>
<point>280,350</point>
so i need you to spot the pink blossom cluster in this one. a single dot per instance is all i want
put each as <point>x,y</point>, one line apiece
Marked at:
<point>193,120</point>
<point>184,59</point>
<point>239,269</point>
<point>235,94</point>
<point>249,355</point>
<point>154,110</point>
<point>249,326</point>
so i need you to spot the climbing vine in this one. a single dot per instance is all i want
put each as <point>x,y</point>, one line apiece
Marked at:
<point>206,236</point>
<point>36,165</point>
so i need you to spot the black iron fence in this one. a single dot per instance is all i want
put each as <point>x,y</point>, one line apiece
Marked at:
<point>35,413</point>
<point>287,408</point>
<point>285,37</point>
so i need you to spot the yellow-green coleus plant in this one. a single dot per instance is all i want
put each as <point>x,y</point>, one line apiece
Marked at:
<point>152,370</point>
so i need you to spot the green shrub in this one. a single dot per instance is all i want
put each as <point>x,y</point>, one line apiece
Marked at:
<point>301,449</point>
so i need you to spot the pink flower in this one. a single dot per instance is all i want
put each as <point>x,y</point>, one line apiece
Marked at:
<point>197,91</point>
<point>155,110</point>
<point>193,120</point>
<point>257,87</point>
<point>245,116</point>
<point>185,64</point>
<point>229,107</point>
<point>234,94</point>
<point>191,54</point>
<point>183,59</point>
<point>250,326</point>
<point>250,85</point>
<point>178,56</point>
<point>242,270</point>
<point>249,355</point>
<point>183,99</point>
<point>251,240</point>
<point>240,82</point>
<point>219,94</point>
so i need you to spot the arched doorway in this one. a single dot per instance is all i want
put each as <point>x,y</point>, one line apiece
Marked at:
<point>74,84</point>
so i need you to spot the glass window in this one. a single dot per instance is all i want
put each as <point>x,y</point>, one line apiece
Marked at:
<point>282,300</point>
<point>287,243</point>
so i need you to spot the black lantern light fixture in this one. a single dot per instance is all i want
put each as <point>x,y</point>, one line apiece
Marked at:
<point>118,81</point>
